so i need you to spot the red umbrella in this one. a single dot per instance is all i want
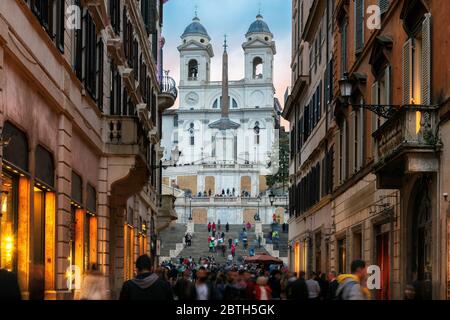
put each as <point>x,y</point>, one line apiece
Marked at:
<point>263,258</point>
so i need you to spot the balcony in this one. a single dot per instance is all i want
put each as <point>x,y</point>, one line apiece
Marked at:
<point>125,146</point>
<point>405,144</point>
<point>169,92</point>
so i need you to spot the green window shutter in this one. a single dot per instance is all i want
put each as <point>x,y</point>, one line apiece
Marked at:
<point>426,60</point>
<point>407,71</point>
<point>384,5</point>
<point>359,25</point>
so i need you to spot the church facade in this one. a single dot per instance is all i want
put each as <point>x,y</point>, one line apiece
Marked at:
<point>226,131</point>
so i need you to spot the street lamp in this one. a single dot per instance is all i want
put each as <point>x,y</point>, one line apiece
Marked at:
<point>190,208</point>
<point>257,218</point>
<point>271,198</point>
<point>175,156</point>
<point>345,86</point>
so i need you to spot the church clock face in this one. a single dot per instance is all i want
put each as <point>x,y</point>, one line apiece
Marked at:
<point>192,98</point>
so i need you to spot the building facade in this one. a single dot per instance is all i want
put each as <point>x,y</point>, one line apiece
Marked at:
<point>388,201</point>
<point>308,109</point>
<point>224,157</point>
<point>81,98</point>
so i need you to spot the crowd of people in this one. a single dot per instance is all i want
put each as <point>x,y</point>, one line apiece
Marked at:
<point>189,280</point>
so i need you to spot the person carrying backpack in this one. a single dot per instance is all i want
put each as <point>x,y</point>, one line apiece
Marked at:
<point>351,285</point>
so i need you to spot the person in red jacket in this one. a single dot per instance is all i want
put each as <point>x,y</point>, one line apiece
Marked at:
<point>214,226</point>
<point>262,290</point>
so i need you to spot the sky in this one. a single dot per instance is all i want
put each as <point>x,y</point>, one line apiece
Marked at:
<point>233,18</point>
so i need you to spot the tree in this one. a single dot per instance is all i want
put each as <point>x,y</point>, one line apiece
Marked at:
<point>282,176</point>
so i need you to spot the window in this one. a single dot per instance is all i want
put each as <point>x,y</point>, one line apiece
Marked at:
<point>175,121</point>
<point>115,91</point>
<point>257,130</point>
<point>215,104</point>
<point>192,70</point>
<point>213,146</point>
<point>342,256</point>
<point>114,13</point>
<point>234,103</point>
<point>343,151</point>
<point>359,25</point>
<point>381,94</point>
<point>384,5</point>
<point>416,65</point>
<point>344,26</point>
<point>51,15</point>
<point>257,68</point>
<point>191,132</point>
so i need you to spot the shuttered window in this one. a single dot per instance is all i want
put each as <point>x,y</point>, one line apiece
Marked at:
<point>426,60</point>
<point>343,47</point>
<point>359,25</point>
<point>384,5</point>
<point>407,67</point>
<point>51,15</point>
<point>114,13</point>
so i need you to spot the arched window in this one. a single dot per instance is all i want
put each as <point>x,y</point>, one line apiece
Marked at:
<point>191,133</point>
<point>45,168</point>
<point>257,130</point>
<point>16,152</point>
<point>257,68</point>
<point>234,103</point>
<point>192,70</point>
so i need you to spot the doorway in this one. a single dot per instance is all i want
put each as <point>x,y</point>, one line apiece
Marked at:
<point>383,260</point>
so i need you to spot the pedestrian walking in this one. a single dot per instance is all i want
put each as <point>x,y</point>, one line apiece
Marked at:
<point>249,225</point>
<point>227,227</point>
<point>203,288</point>
<point>233,250</point>
<point>94,285</point>
<point>146,285</point>
<point>297,289</point>
<point>275,284</point>
<point>313,287</point>
<point>218,225</point>
<point>9,286</point>
<point>351,285</point>
<point>184,287</point>
<point>259,241</point>
<point>214,227</point>
<point>262,291</point>
<point>332,286</point>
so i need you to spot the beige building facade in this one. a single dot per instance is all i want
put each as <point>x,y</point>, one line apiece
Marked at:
<point>81,92</point>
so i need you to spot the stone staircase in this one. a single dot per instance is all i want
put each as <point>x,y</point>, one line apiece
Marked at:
<point>279,250</point>
<point>172,241</point>
<point>200,247</point>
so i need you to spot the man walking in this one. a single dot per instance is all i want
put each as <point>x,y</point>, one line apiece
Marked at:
<point>297,289</point>
<point>146,285</point>
<point>313,287</point>
<point>333,285</point>
<point>351,285</point>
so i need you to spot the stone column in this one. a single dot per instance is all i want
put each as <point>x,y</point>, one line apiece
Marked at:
<point>63,212</point>
<point>103,219</point>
